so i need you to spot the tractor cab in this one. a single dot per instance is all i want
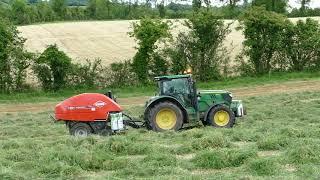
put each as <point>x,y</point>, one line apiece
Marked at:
<point>181,87</point>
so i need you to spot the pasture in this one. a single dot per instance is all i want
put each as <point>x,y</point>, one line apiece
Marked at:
<point>278,139</point>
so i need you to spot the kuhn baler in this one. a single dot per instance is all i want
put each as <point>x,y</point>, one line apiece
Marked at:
<point>92,113</point>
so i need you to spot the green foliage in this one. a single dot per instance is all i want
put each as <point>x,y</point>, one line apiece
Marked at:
<point>59,7</point>
<point>201,48</point>
<point>87,75</point>
<point>147,33</point>
<point>278,6</point>
<point>14,60</point>
<point>264,33</point>
<point>302,45</point>
<point>121,74</point>
<point>52,68</point>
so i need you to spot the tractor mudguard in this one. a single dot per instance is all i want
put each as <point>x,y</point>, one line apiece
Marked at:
<point>154,100</point>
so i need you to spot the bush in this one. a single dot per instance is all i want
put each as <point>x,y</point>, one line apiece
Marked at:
<point>52,68</point>
<point>264,33</point>
<point>14,59</point>
<point>88,75</point>
<point>302,45</point>
<point>121,74</point>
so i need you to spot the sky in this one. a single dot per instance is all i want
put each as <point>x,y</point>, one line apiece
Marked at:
<point>313,4</point>
<point>292,3</point>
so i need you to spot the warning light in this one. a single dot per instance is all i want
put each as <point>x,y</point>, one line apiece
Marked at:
<point>189,71</point>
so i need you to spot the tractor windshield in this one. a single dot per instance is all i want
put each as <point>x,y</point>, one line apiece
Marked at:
<point>174,86</point>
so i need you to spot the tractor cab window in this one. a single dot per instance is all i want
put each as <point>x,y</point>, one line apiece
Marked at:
<point>175,86</point>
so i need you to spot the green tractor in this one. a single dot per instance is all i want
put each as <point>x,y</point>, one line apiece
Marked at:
<point>178,102</point>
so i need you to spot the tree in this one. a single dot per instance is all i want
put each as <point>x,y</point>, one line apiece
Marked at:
<point>302,45</point>
<point>232,3</point>
<point>278,6</point>
<point>59,7</point>
<point>162,10</point>
<point>147,33</point>
<point>264,33</point>
<point>304,3</point>
<point>45,12</point>
<point>102,9</point>
<point>19,12</point>
<point>52,68</point>
<point>14,60</point>
<point>196,5</point>
<point>200,48</point>
<point>92,8</point>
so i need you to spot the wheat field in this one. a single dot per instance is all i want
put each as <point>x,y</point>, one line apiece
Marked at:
<point>108,40</point>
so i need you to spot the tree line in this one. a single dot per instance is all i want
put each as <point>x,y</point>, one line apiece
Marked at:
<point>23,12</point>
<point>272,44</point>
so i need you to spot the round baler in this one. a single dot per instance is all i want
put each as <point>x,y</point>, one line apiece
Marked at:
<point>90,113</point>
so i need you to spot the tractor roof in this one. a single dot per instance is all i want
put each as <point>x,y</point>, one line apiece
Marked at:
<point>172,77</point>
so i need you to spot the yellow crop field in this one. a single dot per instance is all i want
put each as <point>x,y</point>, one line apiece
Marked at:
<point>108,40</point>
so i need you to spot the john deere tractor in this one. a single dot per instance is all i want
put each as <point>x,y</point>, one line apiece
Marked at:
<point>178,102</point>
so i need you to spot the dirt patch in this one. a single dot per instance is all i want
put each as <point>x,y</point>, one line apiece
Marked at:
<point>268,153</point>
<point>288,87</point>
<point>185,156</point>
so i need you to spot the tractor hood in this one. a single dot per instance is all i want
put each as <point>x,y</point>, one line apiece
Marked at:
<point>213,92</point>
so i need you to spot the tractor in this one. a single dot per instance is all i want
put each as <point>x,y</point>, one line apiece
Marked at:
<point>178,102</point>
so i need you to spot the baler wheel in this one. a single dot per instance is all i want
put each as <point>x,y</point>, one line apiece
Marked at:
<point>80,129</point>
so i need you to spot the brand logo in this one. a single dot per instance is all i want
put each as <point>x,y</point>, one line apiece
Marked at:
<point>99,104</point>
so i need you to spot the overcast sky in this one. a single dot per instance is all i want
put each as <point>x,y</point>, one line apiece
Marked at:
<point>292,3</point>
<point>313,4</point>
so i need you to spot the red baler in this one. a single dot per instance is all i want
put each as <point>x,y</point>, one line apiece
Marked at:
<point>91,113</point>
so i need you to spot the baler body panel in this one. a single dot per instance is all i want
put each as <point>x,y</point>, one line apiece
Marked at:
<point>86,107</point>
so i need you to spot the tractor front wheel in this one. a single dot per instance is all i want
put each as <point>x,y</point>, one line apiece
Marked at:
<point>221,116</point>
<point>80,129</point>
<point>165,116</point>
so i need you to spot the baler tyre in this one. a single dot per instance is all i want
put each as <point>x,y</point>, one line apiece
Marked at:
<point>221,116</point>
<point>80,130</point>
<point>165,116</point>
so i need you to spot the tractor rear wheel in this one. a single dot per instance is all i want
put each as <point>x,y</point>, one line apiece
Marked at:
<point>80,129</point>
<point>221,116</point>
<point>165,116</point>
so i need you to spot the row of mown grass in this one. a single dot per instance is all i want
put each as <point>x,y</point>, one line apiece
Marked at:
<point>149,90</point>
<point>279,138</point>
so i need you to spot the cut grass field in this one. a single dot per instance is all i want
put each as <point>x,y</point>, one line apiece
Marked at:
<point>279,139</point>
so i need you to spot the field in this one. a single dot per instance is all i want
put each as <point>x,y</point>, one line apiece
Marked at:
<point>108,40</point>
<point>278,139</point>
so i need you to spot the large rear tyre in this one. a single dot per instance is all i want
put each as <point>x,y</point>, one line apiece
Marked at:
<point>165,116</point>
<point>80,130</point>
<point>221,117</point>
